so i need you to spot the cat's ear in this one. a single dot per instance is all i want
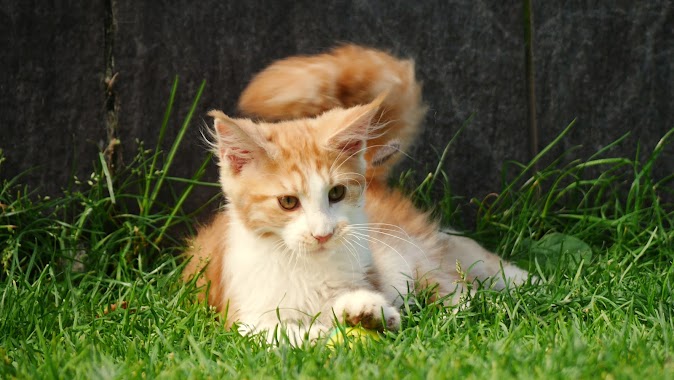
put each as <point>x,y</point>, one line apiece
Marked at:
<point>236,143</point>
<point>356,128</point>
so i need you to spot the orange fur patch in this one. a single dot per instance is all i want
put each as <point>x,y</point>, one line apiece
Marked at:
<point>306,86</point>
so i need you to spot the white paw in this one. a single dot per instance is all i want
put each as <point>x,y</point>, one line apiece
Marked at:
<point>515,276</point>
<point>286,333</point>
<point>367,308</point>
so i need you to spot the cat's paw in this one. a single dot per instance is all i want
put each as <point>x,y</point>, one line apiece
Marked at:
<point>513,276</point>
<point>367,308</point>
<point>295,335</point>
<point>286,333</point>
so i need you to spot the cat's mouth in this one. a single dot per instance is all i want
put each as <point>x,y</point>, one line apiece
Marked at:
<point>321,247</point>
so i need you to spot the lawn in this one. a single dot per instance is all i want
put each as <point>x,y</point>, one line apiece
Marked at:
<point>90,281</point>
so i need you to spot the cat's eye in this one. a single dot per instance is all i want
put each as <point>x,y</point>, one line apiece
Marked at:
<point>337,193</point>
<point>288,202</point>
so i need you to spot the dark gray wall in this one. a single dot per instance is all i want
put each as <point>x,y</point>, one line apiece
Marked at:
<point>51,96</point>
<point>608,64</point>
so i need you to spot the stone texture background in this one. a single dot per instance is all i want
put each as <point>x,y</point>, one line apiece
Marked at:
<point>608,64</point>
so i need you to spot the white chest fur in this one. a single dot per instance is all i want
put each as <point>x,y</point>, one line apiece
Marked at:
<point>266,281</point>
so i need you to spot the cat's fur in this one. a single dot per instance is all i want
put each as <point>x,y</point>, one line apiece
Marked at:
<point>354,259</point>
<point>349,75</point>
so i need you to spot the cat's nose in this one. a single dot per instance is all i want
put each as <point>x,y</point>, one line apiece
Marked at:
<point>322,239</point>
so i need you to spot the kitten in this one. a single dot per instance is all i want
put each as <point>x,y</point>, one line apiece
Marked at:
<point>311,233</point>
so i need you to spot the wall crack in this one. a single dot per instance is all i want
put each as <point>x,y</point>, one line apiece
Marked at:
<point>113,148</point>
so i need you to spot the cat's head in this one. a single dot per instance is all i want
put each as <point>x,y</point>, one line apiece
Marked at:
<point>300,182</point>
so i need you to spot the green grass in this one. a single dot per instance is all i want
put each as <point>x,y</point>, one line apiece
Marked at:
<point>602,243</point>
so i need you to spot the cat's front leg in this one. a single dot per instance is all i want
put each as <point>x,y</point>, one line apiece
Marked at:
<point>367,308</point>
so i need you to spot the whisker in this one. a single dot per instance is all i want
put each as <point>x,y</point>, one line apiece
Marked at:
<point>373,239</point>
<point>378,229</point>
<point>386,233</point>
<point>303,250</point>
<point>358,243</point>
<point>392,226</point>
<point>359,231</point>
<point>353,254</point>
<point>295,259</point>
<point>280,247</point>
<point>352,250</point>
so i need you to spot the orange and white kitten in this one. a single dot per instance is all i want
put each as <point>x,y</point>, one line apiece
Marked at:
<point>311,232</point>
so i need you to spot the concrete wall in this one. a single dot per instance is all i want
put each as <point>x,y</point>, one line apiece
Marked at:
<point>608,64</point>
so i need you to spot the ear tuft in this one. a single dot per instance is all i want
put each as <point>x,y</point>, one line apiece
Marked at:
<point>385,152</point>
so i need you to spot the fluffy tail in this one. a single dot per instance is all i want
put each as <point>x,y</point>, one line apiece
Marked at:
<point>349,75</point>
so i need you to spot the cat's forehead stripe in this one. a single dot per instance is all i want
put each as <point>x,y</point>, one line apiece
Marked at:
<point>301,154</point>
<point>301,172</point>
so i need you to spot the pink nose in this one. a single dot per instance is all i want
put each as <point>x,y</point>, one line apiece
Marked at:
<point>322,239</point>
